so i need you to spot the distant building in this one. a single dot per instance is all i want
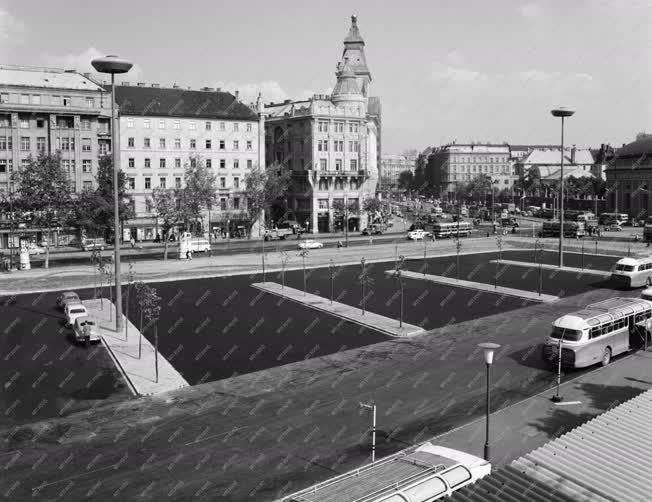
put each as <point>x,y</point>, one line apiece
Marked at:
<point>451,166</point>
<point>331,144</point>
<point>391,166</point>
<point>629,178</point>
<point>164,129</point>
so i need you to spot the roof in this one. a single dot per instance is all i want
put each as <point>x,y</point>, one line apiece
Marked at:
<point>165,102</point>
<point>354,36</point>
<point>551,173</point>
<point>475,148</point>
<point>50,78</point>
<point>642,146</point>
<point>608,458</point>
<point>552,156</point>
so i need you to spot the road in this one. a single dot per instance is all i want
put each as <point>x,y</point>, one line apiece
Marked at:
<point>253,436</point>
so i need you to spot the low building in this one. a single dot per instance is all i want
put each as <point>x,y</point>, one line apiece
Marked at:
<point>391,166</point>
<point>162,130</point>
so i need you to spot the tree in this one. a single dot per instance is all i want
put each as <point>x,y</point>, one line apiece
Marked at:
<point>165,203</point>
<point>304,254</point>
<point>44,188</point>
<point>152,312</point>
<point>373,207</point>
<point>199,191</point>
<point>398,275</point>
<point>405,179</point>
<point>94,208</point>
<point>263,188</point>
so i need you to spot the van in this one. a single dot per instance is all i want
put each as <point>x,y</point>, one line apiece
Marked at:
<point>199,245</point>
<point>633,272</point>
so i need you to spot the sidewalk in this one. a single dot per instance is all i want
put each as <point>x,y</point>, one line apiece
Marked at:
<point>529,424</point>
<point>139,373</point>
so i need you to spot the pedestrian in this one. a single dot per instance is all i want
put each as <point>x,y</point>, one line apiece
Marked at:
<point>190,251</point>
<point>132,242</point>
<point>188,254</point>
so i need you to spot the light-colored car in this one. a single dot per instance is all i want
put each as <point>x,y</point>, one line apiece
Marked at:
<point>88,244</point>
<point>73,311</point>
<point>86,329</point>
<point>417,235</point>
<point>310,244</point>
<point>33,248</point>
<point>200,245</point>
<point>67,297</point>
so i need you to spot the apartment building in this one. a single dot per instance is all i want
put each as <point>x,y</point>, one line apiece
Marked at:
<point>391,166</point>
<point>162,130</point>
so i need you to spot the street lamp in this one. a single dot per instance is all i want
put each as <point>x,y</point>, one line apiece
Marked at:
<point>113,65</point>
<point>563,113</point>
<point>489,349</point>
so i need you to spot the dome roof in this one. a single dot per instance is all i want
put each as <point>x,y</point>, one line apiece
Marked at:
<point>347,84</point>
<point>637,148</point>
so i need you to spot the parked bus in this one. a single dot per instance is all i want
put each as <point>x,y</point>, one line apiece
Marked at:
<point>572,229</point>
<point>599,332</point>
<point>633,272</point>
<point>621,218</point>
<point>440,230</point>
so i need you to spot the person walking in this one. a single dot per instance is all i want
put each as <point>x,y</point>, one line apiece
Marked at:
<point>132,241</point>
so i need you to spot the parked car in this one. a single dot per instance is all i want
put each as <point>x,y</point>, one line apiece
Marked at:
<point>310,244</point>
<point>67,297</point>
<point>86,330</point>
<point>417,235</point>
<point>199,245</point>
<point>33,248</point>
<point>88,244</point>
<point>73,311</point>
<point>375,229</point>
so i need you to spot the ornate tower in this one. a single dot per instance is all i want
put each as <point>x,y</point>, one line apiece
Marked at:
<point>354,53</point>
<point>347,87</point>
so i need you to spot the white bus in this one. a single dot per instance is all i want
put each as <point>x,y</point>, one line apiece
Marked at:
<point>452,229</point>
<point>633,272</point>
<point>599,332</point>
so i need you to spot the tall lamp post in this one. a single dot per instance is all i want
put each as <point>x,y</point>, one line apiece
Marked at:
<point>489,349</point>
<point>113,65</point>
<point>563,113</point>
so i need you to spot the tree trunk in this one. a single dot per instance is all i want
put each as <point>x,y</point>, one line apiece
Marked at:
<point>140,336</point>
<point>166,237</point>
<point>156,350</point>
<point>47,248</point>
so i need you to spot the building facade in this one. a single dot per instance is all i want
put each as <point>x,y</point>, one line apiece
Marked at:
<point>391,166</point>
<point>331,144</point>
<point>629,179</point>
<point>163,130</point>
<point>46,110</point>
<point>450,166</point>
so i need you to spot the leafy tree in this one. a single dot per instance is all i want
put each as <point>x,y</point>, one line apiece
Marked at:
<point>44,188</point>
<point>165,203</point>
<point>405,179</point>
<point>373,207</point>
<point>199,191</point>
<point>264,187</point>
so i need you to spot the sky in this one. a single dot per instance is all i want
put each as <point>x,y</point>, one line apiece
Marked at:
<point>445,70</point>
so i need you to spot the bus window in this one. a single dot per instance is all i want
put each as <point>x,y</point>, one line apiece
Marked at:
<point>595,332</point>
<point>625,268</point>
<point>572,335</point>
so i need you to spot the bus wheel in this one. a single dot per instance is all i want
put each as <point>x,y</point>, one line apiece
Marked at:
<point>648,282</point>
<point>606,357</point>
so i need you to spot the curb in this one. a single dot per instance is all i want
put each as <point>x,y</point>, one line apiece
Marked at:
<point>131,386</point>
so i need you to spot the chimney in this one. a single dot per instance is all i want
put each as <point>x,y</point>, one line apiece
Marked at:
<point>237,95</point>
<point>207,89</point>
<point>219,89</point>
<point>156,86</point>
<point>572,158</point>
<point>141,84</point>
<point>176,86</point>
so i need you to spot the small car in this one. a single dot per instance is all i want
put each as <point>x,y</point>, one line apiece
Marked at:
<point>73,311</point>
<point>95,243</point>
<point>67,297</point>
<point>417,235</point>
<point>86,329</point>
<point>33,248</point>
<point>310,244</point>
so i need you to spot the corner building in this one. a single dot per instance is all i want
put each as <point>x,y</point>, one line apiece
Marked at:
<point>331,144</point>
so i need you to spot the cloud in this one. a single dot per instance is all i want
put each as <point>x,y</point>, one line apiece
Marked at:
<point>530,11</point>
<point>454,74</point>
<point>82,63</point>
<point>271,90</point>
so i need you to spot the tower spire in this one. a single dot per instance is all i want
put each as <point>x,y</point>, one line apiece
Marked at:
<point>353,56</point>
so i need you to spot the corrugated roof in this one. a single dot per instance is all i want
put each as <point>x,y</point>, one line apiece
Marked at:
<point>607,459</point>
<point>553,157</point>
<point>164,102</point>
<point>48,78</point>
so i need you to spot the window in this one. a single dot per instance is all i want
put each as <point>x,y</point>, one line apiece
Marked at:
<point>209,126</point>
<point>40,144</point>
<point>236,164</point>
<point>193,126</point>
<point>209,143</point>
<point>148,205</point>
<point>222,144</point>
<point>86,144</point>
<point>193,144</point>
<point>130,123</point>
<point>354,146</point>
<point>25,162</point>
<point>236,127</point>
<point>323,203</point>
<point>90,102</point>
<point>177,143</point>
<point>236,183</point>
<point>86,166</point>
<point>161,163</point>
<point>222,182</point>
<point>322,145</point>
<point>249,146</point>
<point>353,184</point>
<point>177,163</point>
<point>3,165</point>
<point>146,123</point>
<point>177,182</point>
<point>161,124</point>
<point>323,164</point>
<point>193,162</point>
<point>354,165</point>
<point>148,183</point>
<point>339,126</point>
<point>177,124</point>
<point>222,126</point>
<point>104,147</point>
<point>4,97</point>
<point>338,146</point>
<point>322,126</point>
<point>222,163</point>
<point>161,182</point>
<point>223,204</point>
<point>86,124</point>
<point>146,142</point>
<point>24,99</point>
<point>249,127</point>
<point>73,186</point>
<point>353,127</point>
<point>250,163</point>
<point>131,142</point>
<point>236,202</point>
<point>161,143</point>
<point>338,164</point>
<point>132,162</point>
<point>209,163</point>
<point>24,123</point>
<point>25,143</point>
<point>148,162</point>
<point>236,145</point>
<point>131,183</point>
<point>6,143</point>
